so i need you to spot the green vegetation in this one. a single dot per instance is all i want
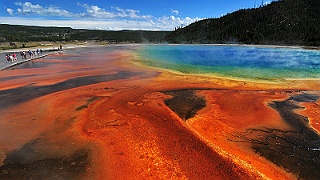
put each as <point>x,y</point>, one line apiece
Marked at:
<point>17,33</point>
<point>120,36</point>
<point>284,22</point>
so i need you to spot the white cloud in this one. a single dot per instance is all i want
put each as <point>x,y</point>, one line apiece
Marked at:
<point>129,13</point>
<point>10,11</point>
<point>164,23</point>
<point>176,12</point>
<point>84,24</point>
<point>28,8</point>
<point>266,3</point>
<point>173,21</point>
<point>96,17</point>
<point>96,12</point>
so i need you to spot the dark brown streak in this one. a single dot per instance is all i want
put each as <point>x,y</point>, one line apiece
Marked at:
<point>18,95</point>
<point>297,150</point>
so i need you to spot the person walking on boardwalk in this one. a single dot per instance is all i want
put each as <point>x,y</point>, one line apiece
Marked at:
<point>14,57</point>
<point>24,54</point>
<point>7,57</point>
<point>30,54</point>
<point>21,54</point>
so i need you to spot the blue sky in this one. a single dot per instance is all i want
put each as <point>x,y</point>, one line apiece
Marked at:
<point>117,14</point>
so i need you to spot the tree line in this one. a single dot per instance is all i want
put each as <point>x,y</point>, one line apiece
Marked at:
<point>285,22</point>
<point>18,33</point>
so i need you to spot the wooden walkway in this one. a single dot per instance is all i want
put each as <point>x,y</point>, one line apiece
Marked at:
<point>4,64</point>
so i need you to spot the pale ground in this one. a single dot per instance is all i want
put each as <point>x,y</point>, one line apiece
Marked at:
<point>47,48</point>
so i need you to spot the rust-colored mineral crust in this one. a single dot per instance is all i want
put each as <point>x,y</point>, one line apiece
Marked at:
<point>95,115</point>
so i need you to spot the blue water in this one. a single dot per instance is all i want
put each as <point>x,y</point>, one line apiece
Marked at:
<point>234,61</point>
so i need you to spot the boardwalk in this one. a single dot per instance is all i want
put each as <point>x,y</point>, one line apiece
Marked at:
<point>4,64</point>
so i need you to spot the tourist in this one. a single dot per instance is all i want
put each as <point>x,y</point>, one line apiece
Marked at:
<point>7,57</point>
<point>30,54</point>
<point>21,54</point>
<point>10,58</point>
<point>14,57</point>
<point>24,55</point>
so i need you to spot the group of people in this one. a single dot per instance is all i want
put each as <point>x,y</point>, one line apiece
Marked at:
<point>24,55</point>
<point>11,57</point>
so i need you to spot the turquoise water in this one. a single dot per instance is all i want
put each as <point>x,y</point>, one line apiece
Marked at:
<point>234,61</point>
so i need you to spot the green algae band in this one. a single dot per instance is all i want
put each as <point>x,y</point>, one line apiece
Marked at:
<point>235,61</point>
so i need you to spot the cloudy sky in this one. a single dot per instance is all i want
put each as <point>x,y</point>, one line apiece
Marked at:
<point>117,14</point>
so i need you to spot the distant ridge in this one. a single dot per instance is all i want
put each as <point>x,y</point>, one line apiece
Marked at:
<point>284,22</point>
<point>19,33</point>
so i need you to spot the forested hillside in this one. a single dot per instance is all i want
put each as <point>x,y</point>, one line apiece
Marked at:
<point>286,22</point>
<point>17,33</point>
<point>283,22</point>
